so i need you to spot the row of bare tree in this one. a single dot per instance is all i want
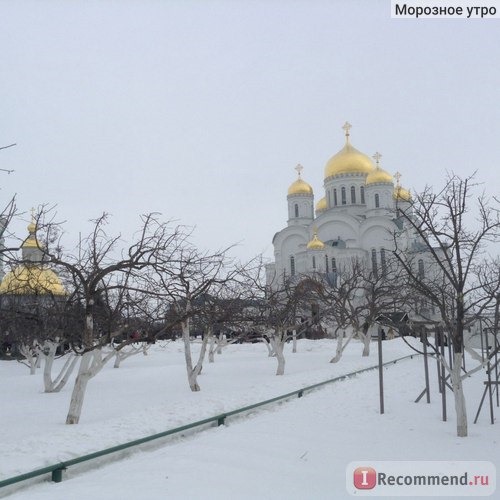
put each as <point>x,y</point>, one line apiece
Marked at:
<point>162,285</point>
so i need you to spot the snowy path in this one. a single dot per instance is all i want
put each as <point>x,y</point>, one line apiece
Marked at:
<point>298,450</point>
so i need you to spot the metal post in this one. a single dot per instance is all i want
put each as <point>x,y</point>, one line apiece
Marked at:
<point>490,394</point>
<point>426,367</point>
<point>437,334</point>
<point>380,371</point>
<point>443,380</point>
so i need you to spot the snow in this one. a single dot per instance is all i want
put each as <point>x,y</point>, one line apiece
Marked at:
<point>294,450</point>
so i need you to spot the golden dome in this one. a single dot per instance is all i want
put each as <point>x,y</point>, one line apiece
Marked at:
<point>379,175</point>
<point>300,187</point>
<point>348,160</point>
<point>31,241</point>
<point>321,206</point>
<point>32,280</point>
<point>402,194</point>
<point>315,243</point>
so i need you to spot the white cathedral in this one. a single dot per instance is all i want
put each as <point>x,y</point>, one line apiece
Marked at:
<point>356,218</point>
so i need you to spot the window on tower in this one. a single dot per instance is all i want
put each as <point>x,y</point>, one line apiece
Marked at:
<point>335,201</point>
<point>383,261</point>
<point>421,270</point>
<point>374,264</point>
<point>362,192</point>
<point>353,195</point>
<point>344,196</point>
<point>377,200</point>
<point>296,209</point>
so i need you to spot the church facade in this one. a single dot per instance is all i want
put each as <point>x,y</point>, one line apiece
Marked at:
<point>356,217</point>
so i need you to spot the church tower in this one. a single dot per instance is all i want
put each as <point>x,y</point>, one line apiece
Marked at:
<point>300,201</point>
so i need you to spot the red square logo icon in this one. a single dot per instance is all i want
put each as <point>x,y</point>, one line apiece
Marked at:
<point>365,478</point>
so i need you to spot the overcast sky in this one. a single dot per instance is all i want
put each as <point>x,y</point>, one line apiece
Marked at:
<point>201,109</point>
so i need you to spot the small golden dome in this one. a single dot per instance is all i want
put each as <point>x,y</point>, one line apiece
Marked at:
<point>379,175</point>
<point>348,160</point>
<point>31,241</point>
<point>315,243</point>
<point>300,187</point>
<point>32,280</point>
<point>321,206</point>
<point>402,194</point>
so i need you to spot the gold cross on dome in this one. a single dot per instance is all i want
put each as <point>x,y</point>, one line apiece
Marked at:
<point>347,127</point>
<point>377,157</point>
<point>299,169</point>
<point>397,176</point>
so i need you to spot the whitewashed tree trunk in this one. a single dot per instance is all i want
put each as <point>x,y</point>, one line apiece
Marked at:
<point>118,360</point>
<point>219,343</point>
<point>31,354</point>
<point>79,389</point>
<point>91,364</point>
<point>294,341</point>
<point>211,350</point>
<point>55,385</point>
<point>278,344</point>
<point>126,352</point>
<point>186,330</point>
<point>270,350</point>
<point>458,393</point>
<point>199,364</point>
<point>341,346</point>
<point>365,338</point>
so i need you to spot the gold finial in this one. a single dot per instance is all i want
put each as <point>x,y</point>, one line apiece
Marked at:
<point>299,169</point>
<point>377,157</point>
<point>397,176</point>
<point>347,127</point>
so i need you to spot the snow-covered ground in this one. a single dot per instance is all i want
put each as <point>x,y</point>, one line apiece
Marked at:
<point>294,450</point>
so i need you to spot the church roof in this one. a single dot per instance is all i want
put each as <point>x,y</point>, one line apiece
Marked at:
<point>348,160</point>
<point>32,279</point>
<point>300,186</point>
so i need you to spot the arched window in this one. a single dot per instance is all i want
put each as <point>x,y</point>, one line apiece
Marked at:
<point>344,197</point>
<point>314,262</point>
<point>374,264</point>
<point>377,200</point>
<point>362,191</point>
<point>326,264</point>
<point>383,261</point>
<point>292,265</point>
<point>334,265</point>
<point>329,200</point>
<point>353,195</point>
<point>335,201</point>
<point>296,208</point>
<point>421,270</point>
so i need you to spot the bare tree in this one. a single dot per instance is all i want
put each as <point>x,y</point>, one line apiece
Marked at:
<point>101,277</point>
<point>454,232</point>
<point>187,280</point>
<point>360,295</point>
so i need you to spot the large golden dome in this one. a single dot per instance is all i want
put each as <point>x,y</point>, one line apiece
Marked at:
<point>348,160</point>
<point>32,279</point>
<point>379,175</point>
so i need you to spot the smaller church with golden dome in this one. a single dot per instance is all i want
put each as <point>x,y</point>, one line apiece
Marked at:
<point>355,217</point>
<point>32,276</point>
